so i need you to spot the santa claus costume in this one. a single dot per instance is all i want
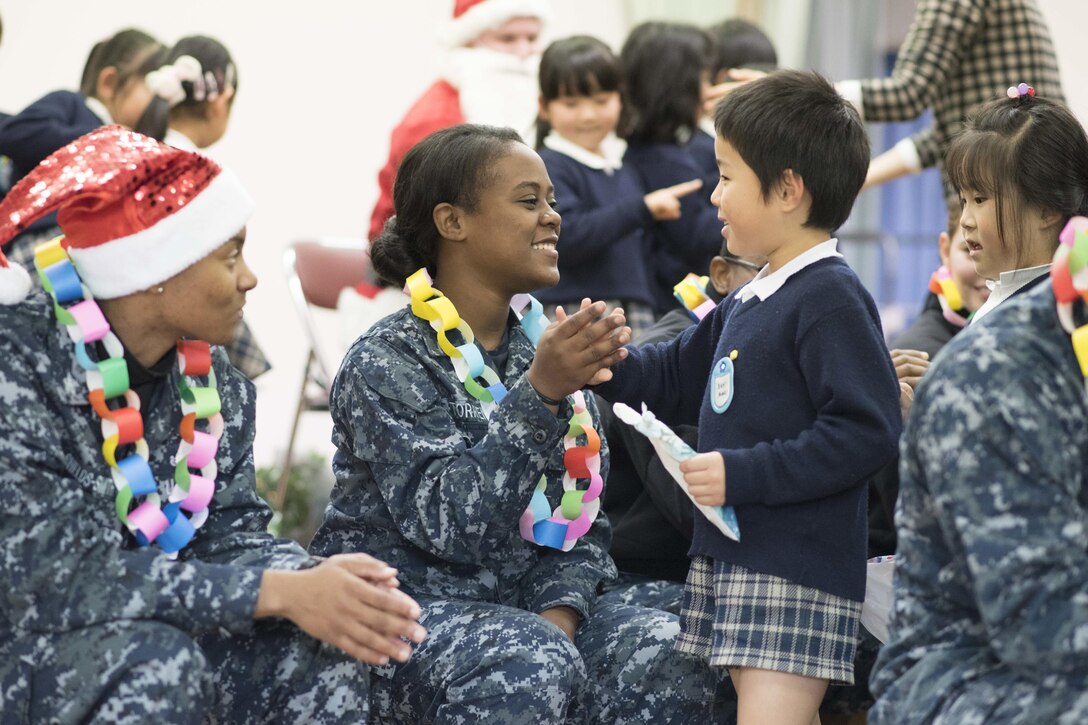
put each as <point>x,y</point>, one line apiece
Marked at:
<point>475,85</point>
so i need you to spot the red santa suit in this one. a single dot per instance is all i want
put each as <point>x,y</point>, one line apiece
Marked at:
<point>478,85</point>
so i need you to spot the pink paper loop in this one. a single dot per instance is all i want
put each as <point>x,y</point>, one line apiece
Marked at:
<point>148,519</point>
<point>579,526</point>
<point>204,449</point>
<point>201,491</point>
<point>90,320</point>
<point>525,525</point>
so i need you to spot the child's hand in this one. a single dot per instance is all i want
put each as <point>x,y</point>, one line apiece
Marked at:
<point>739,76</point>
<point>665,203</point>
<point>577,351</point>
<point>705,476</point>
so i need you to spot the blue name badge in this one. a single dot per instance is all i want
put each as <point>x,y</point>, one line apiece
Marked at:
<point>721,385</point>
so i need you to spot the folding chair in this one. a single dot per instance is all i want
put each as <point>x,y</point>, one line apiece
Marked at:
<point>316,273</point>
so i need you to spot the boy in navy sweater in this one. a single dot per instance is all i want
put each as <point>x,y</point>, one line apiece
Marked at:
<point>801,406</point>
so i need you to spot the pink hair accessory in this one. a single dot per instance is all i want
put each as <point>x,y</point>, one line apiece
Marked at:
<point>165,82</point>
<point>1016,92</point>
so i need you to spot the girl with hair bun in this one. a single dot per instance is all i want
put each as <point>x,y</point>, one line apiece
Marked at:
<point>194,92</point>
<point>468,456</point>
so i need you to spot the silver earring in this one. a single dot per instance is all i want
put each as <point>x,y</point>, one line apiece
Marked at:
<point>159,290</point>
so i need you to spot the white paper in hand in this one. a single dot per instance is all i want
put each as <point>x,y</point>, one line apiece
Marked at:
<point>671,450</point>
<point>877,609</point>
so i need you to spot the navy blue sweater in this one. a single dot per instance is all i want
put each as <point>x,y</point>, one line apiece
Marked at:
<point>604,243</point>
<point>40,129</point>
<point>680,245</point>
<point>815,411</point>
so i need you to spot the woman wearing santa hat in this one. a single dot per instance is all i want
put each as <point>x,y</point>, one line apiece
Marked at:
<point>139,580</point>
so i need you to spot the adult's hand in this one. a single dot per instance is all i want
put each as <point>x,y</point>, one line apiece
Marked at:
<point>563,617</point>
<point>576,350</point>
<point>350,601</point>
<point>910,366</point>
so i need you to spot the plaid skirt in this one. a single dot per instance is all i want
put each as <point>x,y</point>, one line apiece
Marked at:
<point>736,617</point>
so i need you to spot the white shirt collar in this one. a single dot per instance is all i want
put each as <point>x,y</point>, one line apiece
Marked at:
<point>763,285</point>
<point>99,109</point>
<point>179,140</point>
<point>611,158</point>
<point>1007,284</point>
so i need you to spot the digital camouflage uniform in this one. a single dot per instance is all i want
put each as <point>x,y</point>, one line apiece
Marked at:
<point>990,621</point>
<point>94,628</point>
<point>427,483</point>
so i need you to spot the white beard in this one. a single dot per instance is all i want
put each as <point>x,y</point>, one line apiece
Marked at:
<point>498,89</point>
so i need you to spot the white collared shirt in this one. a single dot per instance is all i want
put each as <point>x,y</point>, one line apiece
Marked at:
<point>1006,286</point>
<point>179,140</point>
<point>763,285</point>
<point>610,158</point>
<point>99,109</point>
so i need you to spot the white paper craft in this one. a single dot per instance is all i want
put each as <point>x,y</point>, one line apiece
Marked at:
<point>877,609</point>
<point>671,449</point>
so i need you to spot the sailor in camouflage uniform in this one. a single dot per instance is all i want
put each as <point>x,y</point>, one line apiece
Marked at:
<point>429,483</point>
<point>93,627</point>
<point>990,622</point>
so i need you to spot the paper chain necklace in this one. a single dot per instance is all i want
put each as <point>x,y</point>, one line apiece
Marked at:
<point>559,528</point>
<point>948,294</point>
<point>150,521</point>
<point>1069,275</point>
<point>691,292</point>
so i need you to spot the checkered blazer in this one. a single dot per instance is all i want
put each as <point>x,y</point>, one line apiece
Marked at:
<point>957,55</point>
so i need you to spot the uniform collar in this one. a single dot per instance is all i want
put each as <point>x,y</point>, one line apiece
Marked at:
<point>609,160</point>
<point>764,285</point>
<point>1008,284</point>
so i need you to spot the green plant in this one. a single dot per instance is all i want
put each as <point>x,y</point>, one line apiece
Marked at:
<point>297,519</point>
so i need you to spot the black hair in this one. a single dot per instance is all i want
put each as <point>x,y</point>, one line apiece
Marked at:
<point>449,166</point>
<point>134,54</point>
<point>740,44</point>
<point>576,66</point>
<point>220,73</point>
<point>796,120</point>
<point>663,66</point>
<point>1029,151</point>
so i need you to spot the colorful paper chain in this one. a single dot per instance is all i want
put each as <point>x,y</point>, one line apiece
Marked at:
<point>948,294</point>
<point>691,291</point>
<point>1069,275</point>
<point>149,521</point>
<point>559,528</point>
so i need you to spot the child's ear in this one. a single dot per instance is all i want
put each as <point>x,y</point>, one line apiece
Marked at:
<point>1051,218</point>
<point>944,247</point>
<point>790,191</point>
<point>450,222</point>
<point>106,85</point>
<point>542,108</point>
<point>220,105</point>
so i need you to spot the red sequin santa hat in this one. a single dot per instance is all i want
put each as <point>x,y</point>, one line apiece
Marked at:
<point>134,212</point>
<point>472,17</point>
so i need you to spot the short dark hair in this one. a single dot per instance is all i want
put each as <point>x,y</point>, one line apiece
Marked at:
<point>1029,151</point>
<point>740,44</point>
<point>796,120</point>
<point>576,66</point>
<point>448,166</point>
<point>662,68</point>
